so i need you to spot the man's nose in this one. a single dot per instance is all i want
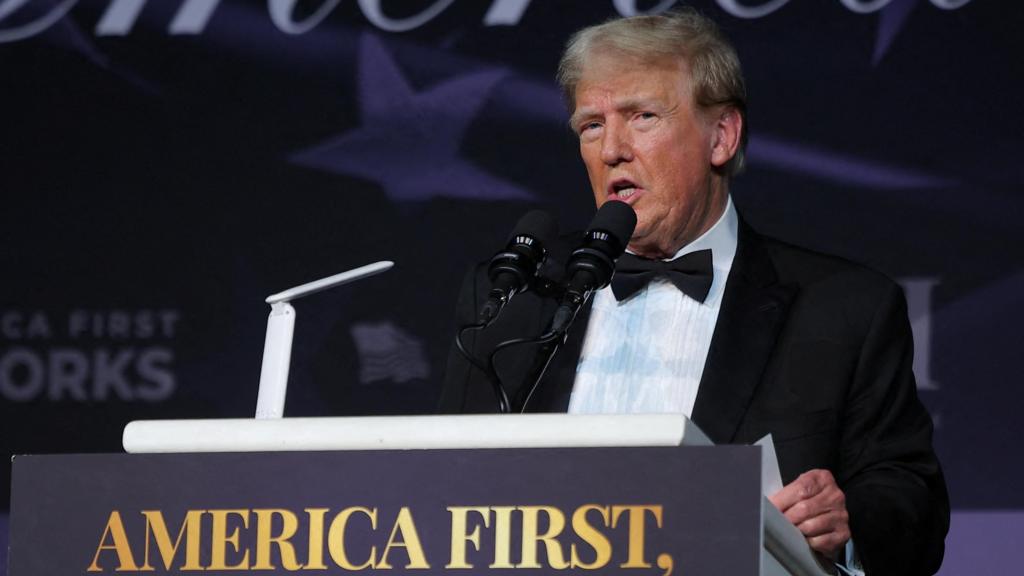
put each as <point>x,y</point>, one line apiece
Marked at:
<point>616,146</point>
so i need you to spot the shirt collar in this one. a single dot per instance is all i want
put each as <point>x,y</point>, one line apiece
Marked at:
<point>720,239</point>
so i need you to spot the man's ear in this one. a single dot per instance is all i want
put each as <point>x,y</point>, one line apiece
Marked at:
<point>728,125</point>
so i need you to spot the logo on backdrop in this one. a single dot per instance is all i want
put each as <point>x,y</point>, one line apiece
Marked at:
<point>87,355</point>
<point>919,308</point>
<point>193,16</point>
<point>386,352</point>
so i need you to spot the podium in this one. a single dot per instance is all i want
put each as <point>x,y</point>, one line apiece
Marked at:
<point>502,494</point>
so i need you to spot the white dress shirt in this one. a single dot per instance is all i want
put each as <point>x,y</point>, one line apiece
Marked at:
<point>646,354</point>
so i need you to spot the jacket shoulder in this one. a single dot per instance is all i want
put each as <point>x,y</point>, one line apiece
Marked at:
<point>808,268</point>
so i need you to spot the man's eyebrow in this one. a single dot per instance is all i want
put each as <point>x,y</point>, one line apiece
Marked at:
<point>580,114</point>
<point>643,102</point>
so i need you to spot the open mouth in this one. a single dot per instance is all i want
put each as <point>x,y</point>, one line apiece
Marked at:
<point>623,189</point>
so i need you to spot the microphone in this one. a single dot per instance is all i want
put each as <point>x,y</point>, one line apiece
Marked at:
<point>591,265</point>
<point>512,269</point>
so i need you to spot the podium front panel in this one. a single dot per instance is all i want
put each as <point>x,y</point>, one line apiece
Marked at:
<point>692,511</point>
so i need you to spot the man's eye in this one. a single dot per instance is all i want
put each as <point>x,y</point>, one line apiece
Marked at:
<point>588,126</point>
<point>646,115</point>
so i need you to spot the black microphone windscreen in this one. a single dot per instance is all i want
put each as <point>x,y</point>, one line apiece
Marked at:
<point>618,219</point>
<point>537,224</point>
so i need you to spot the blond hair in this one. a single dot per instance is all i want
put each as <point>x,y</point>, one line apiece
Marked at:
<point>714,66</point>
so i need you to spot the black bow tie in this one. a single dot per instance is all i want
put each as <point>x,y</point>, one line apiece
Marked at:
<point>691,273</point>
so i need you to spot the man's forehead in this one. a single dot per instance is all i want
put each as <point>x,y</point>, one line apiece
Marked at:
<point>624,82</point>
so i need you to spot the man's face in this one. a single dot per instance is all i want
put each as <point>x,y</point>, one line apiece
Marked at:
<point>644,143</point>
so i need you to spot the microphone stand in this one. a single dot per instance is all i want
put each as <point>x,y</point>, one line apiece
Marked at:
<point>550,342</point>
<point>537,370</point>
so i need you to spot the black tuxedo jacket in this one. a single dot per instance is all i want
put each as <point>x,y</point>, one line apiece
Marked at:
<point>811,348</point>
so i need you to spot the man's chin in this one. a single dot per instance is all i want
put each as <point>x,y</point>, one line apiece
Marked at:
<point>642,246</point>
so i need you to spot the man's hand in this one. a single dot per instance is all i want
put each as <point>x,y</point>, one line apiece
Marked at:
<point>815,504</point>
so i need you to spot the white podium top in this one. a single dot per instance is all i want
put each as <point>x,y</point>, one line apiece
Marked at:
<point>411,432</point>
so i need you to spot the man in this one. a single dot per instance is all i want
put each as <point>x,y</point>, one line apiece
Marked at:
<point>811,348</point>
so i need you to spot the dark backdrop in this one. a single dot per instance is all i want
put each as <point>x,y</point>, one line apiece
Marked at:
<point>165,166</point>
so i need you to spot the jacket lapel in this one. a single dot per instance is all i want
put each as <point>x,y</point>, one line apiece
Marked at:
<point>754,309</point>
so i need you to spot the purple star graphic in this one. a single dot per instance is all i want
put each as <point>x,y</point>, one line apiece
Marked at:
<point>409,141</point>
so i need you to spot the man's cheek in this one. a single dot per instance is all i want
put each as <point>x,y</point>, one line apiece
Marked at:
<point>643,224</point>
